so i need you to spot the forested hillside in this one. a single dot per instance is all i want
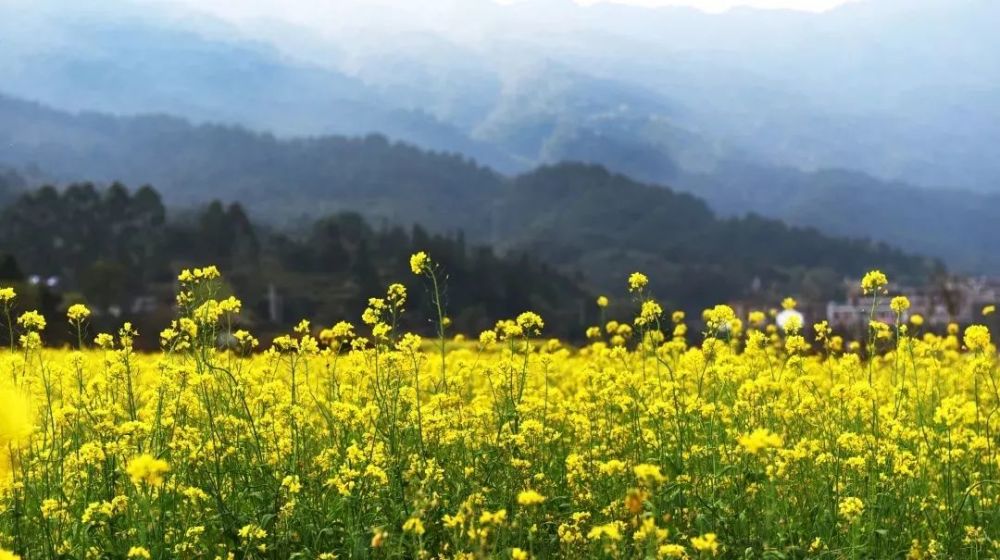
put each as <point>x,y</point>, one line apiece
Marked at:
<point>283,180</point>
<point>119,251</point>
<point>582,218</point>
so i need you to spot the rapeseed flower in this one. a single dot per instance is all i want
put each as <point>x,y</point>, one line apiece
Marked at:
<point>977,337</point>
<point>758,440</point>
<point>530,498</point>
<point>414,526</point>
<point>77,313</point>
<point>146,469</point>
<point>851,509</point>
<point>420,262</point>
<point>637,281</point>
<point>389,431</point>
<point>609,531</point>
<point>32,320</point>
<point>706,543</point>
<point>649,474</point>
<point>873,282</point>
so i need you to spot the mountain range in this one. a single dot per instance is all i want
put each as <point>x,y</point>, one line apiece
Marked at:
<point>588,222</point>
<point>874,120</point>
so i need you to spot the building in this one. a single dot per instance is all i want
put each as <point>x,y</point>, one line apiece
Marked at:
<point>959,300</point>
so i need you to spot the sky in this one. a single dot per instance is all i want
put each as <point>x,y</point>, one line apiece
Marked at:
<point>722,5</point>
<point>237,8</point>
<point>446,16</point>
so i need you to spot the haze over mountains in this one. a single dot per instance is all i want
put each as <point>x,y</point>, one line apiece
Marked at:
<point>878,118</point>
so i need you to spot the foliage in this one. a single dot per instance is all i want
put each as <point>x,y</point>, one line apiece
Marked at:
<point>109,247</point>
<point>588,223</point>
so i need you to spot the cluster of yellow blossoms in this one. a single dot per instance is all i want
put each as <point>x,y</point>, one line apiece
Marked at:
<point>747,440</point>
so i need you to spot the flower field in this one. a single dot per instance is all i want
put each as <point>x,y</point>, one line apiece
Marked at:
<point>733,438</point>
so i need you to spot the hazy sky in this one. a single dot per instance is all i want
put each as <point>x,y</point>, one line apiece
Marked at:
<point>720,5</point>
<point>307,7</point>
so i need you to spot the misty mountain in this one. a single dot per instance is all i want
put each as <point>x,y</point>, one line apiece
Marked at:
<point>960,227</point>
<point>194,163</point>
<point>900,90</point>
<point>319,175</point>
<point>11,183</point>
<point>831,120</point>
<point>582,218</point>
<point>128,61</point>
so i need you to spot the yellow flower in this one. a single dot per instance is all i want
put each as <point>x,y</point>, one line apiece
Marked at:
<point>32,320</point>
<point>518,554</point>
<point>602,301</point>
<point>487,338</point>
<point>396,295</point>
<point>719,317</point>
<point>916,319</point>
<point>977,337</point>
<point>146,469</point>
<point>759,439</point>
<point>8,555</point>
<point>873,281</point>
<point>610,531</point>
<point>493,518</point>
<point>139,552</point>
<point>292,484</point>
<point>420,262</point>
<point>788,303</point>
<point>650,474</point>
<point>51,508</point>
<point>7,295</point>
<point>77,312</point>
<point>15,418</point>
<point>196,275</point>
<point>671,551</point>
<point>989,310</point>
<point>706,543</point>
<point>414,526</point>
<point>251,532</point>
<point>851,508</point>
<point>649,313</point>
<point>637,281</point>
<point>409,343</point>
<point>530,322</point>
<point>530,498</point>
<point>899,304</point>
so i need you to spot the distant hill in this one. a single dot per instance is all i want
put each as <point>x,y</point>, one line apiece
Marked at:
<point>280,179</point>
<point>762,111</point>
<point>899,89</point>
<point>960,227</point>
<point>11,183</point>
<point>133,59</point>
<point>583,218</point>
<point>113,247</point>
